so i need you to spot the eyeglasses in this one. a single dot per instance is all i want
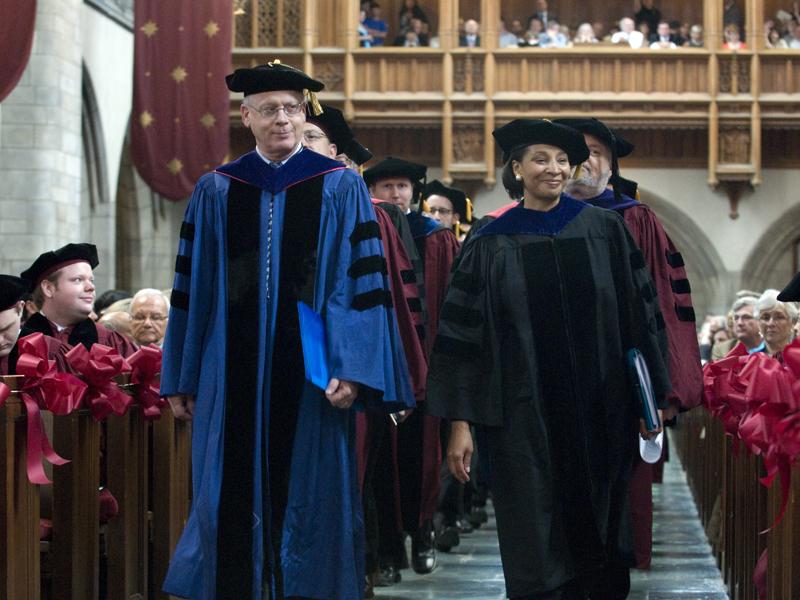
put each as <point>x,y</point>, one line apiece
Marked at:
<point>313,136</point>
<point>153,318</point>
<point>270,112</point>
<point>442,211</point>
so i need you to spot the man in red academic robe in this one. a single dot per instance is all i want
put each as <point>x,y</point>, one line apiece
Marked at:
<point>600,184</point>
<point>418,444</point>
<point>63,287</point>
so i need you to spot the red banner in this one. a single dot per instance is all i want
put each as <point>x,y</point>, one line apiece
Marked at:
<point>16,39</point>
<point>180,102</point>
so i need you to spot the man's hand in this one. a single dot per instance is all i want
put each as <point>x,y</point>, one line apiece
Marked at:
<point>646,435</point>
<point>459,450</point>
<point>341,393</point>
<point>182,406</point>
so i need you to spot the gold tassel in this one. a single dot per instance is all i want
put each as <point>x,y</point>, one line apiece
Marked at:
<point>314,102</point>
<point>638,198</point>
<point>577,172</point>
<point>425,206</point>
<point>468,216</point>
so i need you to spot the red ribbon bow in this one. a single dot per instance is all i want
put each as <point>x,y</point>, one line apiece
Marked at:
<point>98,367</point>
<point>5,392</point>
<point>43,388</point>
<point>145,367</point>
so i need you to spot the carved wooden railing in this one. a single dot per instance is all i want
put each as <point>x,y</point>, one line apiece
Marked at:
<point>148,471</point>
<point>735,508</point>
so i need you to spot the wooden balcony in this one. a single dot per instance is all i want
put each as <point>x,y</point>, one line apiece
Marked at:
<point>464,93</point>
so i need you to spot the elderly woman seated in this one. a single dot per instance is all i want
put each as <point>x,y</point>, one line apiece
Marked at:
<point>775,320</point>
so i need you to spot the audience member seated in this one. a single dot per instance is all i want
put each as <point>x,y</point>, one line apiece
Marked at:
<point>600,32</point>
<point>376,27</point>
<point>534,32</point>
<point>647,13</point>
<point>149,311</point>
<point>364,37</point>
<point>117,320</point>
<point>108,298</point>
<point>776,321</point>
<point>552,37</point>
<point>627,34</point>
<point>413,37</point>
<point>411,10</point>
<point>792,38</point>
<point>733,39</point>
<point>470,38</point>
<point>676,31</point>
<point>506,38</point>
<point>695,37</point>
<point>732,15</point>
<point>664,39</point>
<point>585,35</point>
<point>648,35</point>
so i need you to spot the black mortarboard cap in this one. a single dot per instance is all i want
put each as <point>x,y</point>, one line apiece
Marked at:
<point>335,126</point>
<point>12,290</point>
<point>395,167</point>
<point>791,293</point>
<point>456,197</point>
<point>52,261</point>
<point>271,77</point>
<point>521,133</point>
<point>603,132</point>
<point>357,153</point>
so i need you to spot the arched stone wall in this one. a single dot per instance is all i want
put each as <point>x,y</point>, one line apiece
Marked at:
<point>771,263</point>
<point>712,285</point>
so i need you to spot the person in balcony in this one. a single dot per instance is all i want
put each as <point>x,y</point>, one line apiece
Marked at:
<point>534,32</point>
<point>664,39</point>
<point>506,38</point>
<point>543,13</point>
<point>376,26</point>
<point>732,14</point>
<point>695,37</point>
<point>409,11</point>
<point>776,321</point>
<point>585,35</point>
<point>793,34</point>
<point>364,37</point>
<point>733,38</point>
<point>552,37</point>
<point>647,12</point>
<point>413,37</point>
<point>628,34</point>
<point>471,37</point>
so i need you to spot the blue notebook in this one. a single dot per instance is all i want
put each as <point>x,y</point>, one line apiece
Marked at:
<point>315,354</point>
<point>643,388</point>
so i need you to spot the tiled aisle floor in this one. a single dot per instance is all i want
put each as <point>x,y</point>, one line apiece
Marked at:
<point>683,568</point>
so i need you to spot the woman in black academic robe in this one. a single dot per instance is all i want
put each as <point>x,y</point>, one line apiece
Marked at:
<point>543,304</point>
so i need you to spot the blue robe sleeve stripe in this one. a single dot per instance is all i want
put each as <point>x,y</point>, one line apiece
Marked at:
<point>367,266</point>
<point>366,230</point>
<point>183,265</point>
<point>674,259</point>
<point>187,231</point>
<point>179,300</point>
<point>371,299</point>
<point>680,286</point>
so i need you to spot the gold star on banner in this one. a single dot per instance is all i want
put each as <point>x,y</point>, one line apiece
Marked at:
<point>211,29</point>
<point>179,74</point>
<point>208,120</point>
<point>146,119</point>
<point>175,166</point>
<point>149,28</point>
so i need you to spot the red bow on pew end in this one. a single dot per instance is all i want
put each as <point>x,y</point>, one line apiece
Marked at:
<point>758,400</point>
<point>5,392</point>
<point>145,368</point>
<point>43,388</point>
<point>99,367</point>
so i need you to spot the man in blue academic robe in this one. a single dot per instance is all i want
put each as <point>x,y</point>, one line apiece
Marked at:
<point>276,509</point>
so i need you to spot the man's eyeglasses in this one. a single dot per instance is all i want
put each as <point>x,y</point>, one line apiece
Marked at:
<point>313,136</point>
<point>153,318</point>
<point>442,211</point>
<point>270,112</point>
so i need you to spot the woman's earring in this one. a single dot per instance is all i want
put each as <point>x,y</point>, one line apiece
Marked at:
<point>518,177</point>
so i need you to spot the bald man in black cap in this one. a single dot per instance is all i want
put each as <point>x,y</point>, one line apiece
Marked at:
<point>63,287</point>
<point>276,508</point>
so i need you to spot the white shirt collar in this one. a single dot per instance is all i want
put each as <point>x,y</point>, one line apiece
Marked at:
<point>281,162</point>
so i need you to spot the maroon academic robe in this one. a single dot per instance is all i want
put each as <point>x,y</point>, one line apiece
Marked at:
<point>86,332</point>
<point>666,267</point>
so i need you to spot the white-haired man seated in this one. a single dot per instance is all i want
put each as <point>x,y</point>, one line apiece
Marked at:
<point>149,311</point>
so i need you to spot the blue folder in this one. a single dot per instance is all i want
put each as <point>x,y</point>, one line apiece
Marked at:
<point>315,354</point>
<point>643,388</point>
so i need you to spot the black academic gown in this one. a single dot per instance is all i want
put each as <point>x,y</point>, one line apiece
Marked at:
<point>540,310</point>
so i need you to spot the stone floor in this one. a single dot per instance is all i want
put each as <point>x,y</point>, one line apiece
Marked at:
<point>683,568</point>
